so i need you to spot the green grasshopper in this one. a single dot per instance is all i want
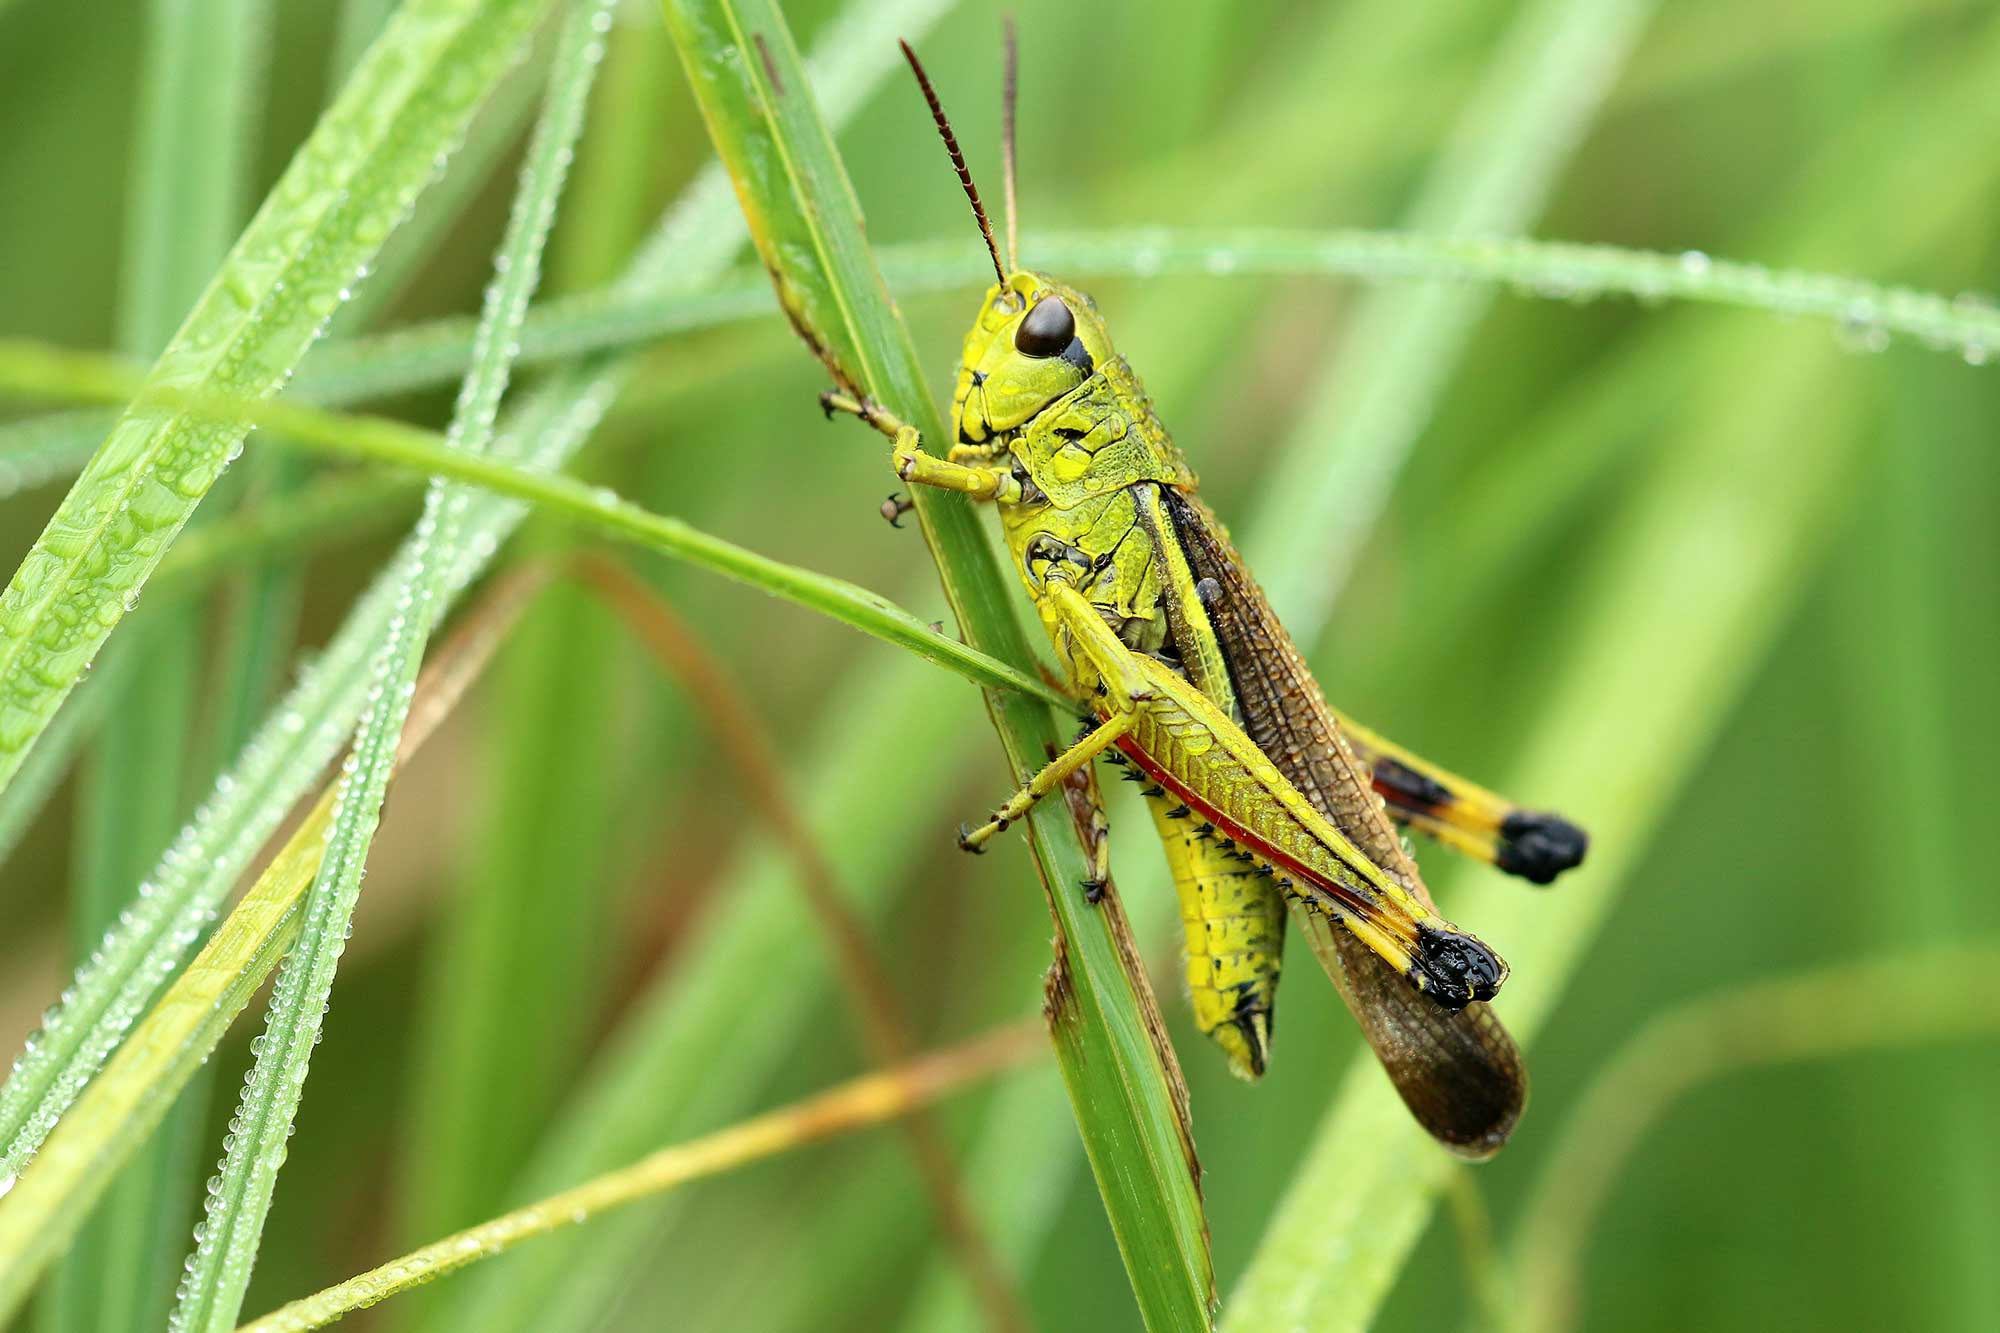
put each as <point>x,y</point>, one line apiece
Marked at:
<point>1263,797</point>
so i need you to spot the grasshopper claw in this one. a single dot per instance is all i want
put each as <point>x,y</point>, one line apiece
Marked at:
<point>1093,890</point>
<point>965,842</point>
<point>895,507</point>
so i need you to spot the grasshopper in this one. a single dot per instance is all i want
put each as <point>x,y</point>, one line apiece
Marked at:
<point>1263,797</point>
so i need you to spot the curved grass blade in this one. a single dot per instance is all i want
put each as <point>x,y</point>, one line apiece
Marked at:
<point>629,315</point>
<point>159,927</point>
<point>381,440</point>
<point>201,77</point>
<point>1944,993</point>
<point>227,1240</point>
<point>1123,1082</point>
<point>896,1091</point>
<point>45,1205</point>
<point>347,187</point>
<point>1791,444</point>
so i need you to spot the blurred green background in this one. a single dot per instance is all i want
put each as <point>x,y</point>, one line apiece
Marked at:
<point>571,894</point>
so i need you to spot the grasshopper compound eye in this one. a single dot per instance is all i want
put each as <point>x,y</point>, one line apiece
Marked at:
<point>1048,329</point>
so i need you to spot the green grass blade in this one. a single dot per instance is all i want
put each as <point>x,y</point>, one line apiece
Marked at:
<point>198,85</point>
<point>226,1243</point>
<point>48,1202</point>
<point>493,1060</point>
<point>1788,447</point>
<point>41,1209</point>
<point>632,314</point>
<point>304,732</point>
<point>758,107</point>
<point>380,440</point>
<point>1522,124</point>
<point>350,183</point>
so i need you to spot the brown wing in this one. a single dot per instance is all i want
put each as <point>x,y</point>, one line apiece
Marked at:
<point>1459,1073</point>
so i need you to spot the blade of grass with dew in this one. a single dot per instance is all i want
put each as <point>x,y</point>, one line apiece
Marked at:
<point>45,1205</point>
<point>869,1100</point>
<point>200,76</point>
<point>352,180</point>
<point>307,729</point>
<point>495,1059</point>
<point>382,440</point>
<point>1123,1081</point>
<point>629,315</point>
<point>227,1240</point>
<point>1909,998</point>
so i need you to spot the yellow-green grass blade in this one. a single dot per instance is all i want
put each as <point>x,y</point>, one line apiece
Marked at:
<point>1789,447</point>
<point>41,1209</point>
<point>47,1203</point>
<point>305,731</point>
<point>758,107</point>
<point>231,1231</point>
<point>632,315</point>
<point>382,440</point>
<point>200,78</point>
<point>350,183</point>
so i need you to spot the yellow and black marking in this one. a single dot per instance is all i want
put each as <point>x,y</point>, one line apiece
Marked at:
<point>1532,844</point>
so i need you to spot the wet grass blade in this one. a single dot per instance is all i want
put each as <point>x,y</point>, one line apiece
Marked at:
<point>45,1205</point>
<point>344,192</point>
<point>1123,1082</point>
<point>199,82</point>
<point>382,440</point>
<point>632,315</point>
<point>227,1240</point>
<point>305,731</point>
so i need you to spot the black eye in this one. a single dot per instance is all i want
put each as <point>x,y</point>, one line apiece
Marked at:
<point>1048,329</point>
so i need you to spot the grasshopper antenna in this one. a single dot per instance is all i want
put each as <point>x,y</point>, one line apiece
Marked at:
<point>1010,81</point>
<point>957,158</point>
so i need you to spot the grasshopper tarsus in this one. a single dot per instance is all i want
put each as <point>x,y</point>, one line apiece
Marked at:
<point>966,843</point>
<point>1093,890</point>
<point>895,507</point>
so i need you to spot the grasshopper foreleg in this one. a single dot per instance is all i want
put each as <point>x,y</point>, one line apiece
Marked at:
<point>915,466</point>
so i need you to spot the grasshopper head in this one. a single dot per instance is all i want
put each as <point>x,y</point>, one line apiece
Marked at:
<point>1035,340</point>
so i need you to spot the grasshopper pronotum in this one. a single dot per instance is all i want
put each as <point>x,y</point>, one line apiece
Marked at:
<point>1261,795</point>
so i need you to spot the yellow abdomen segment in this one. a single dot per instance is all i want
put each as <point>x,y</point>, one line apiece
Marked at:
<point>1235,927</point>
